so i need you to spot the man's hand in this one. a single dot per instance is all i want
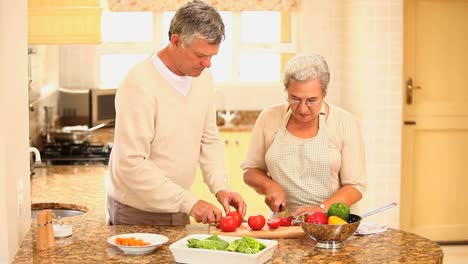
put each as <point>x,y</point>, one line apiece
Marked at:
<point>205,212</point>
<point>227,198</point>
<point>275,197</point>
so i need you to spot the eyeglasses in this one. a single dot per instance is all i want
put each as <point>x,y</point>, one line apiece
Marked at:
<point>295,102</point>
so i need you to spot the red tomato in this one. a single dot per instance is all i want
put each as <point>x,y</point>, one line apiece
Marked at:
<point>256,222</point>
<point>237,216</point>
<point>285,221</point>
<point>282,220</point>
<point>274,223</point>
<point>228,224</point>
<point>317,217</point>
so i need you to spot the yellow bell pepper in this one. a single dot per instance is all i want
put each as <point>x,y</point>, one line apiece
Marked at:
<point>335,220</point>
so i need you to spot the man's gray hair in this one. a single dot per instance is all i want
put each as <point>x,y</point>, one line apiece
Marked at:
<point>197,19</point>
<point>307,67</point>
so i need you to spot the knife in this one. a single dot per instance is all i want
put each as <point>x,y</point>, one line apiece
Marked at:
<point>281,213</point>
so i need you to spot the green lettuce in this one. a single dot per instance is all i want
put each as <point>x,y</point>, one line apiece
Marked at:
<point>246,245</point>
<point>214,243</point>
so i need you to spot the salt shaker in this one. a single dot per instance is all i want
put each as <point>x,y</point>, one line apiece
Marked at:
<point>41,231</point>
<point>50,229</point>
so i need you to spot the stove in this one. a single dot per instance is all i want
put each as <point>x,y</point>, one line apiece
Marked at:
<point>66,153</point>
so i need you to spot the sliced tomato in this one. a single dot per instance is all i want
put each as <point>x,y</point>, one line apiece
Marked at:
<point>285,221</point>
<point>274,223</point>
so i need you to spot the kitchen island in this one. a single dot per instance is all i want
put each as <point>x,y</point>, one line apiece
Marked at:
<point>84,186</point>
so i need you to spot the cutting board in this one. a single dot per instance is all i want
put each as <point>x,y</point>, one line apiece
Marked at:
<point>266,232</point>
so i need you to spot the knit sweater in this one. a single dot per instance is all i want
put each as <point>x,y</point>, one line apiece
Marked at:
<point>160,137</point>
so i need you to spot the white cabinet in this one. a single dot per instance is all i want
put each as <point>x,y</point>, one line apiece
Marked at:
<point>64,22</point>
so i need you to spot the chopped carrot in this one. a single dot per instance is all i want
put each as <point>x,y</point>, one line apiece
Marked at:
<point>131,241</point>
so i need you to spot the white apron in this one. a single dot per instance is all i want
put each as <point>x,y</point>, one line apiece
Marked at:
<point>301,166</point>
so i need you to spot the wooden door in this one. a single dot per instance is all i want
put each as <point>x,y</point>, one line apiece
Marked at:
<point>434,195</point>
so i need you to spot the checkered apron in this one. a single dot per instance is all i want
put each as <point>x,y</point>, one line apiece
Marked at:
<point>301,166</point>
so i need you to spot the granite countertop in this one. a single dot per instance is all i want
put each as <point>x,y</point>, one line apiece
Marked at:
<point>243,122</point>
<point>85,186</point>
<point>236,128</point>
<point>106,135</point>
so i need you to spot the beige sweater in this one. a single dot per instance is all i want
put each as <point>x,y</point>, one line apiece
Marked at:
<point>346,147</point>
<point>160,136</point>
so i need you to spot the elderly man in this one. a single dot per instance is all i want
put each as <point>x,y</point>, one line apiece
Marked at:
<point>165,126</point>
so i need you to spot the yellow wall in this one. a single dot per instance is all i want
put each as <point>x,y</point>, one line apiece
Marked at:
<point>235,147</point>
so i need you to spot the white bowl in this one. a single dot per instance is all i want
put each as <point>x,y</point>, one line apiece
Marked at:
<point>62,230</point>
<point>154,239</point>
<point>184,254</point>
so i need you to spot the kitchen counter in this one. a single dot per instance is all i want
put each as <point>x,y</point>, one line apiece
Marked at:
<point>85,186</point>
<point>105,136</point>
<point>236,128</point>
<point>243,122</point>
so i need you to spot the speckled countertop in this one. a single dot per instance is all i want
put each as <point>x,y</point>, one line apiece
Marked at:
<point>85,186</point>
<point>236,128</point>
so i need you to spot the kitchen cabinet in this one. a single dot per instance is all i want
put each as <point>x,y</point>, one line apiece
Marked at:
<point>235,148</point>
<point>64,22</point>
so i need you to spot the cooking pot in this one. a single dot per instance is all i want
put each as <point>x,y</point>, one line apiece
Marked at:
<point>74,136</point>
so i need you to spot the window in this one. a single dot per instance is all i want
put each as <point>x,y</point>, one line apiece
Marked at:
<point>254,49</point>
<point>126,27</point>
<point>127,39</point>
<point>114,67</point>
<point>256,45</point>
<point>259,67</point>
<point>261,27</point>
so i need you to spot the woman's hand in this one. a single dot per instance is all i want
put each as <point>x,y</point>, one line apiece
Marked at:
<point>307,209</point>
<point>275,197</point>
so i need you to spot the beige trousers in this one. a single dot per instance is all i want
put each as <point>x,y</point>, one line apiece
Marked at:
<point>122,214</point>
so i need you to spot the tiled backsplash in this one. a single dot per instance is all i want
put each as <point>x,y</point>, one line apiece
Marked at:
<point>37,127</point>
<point>43,76</point>
<point>372,73</point>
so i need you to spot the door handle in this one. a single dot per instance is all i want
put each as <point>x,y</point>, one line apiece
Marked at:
<point>409,90</point>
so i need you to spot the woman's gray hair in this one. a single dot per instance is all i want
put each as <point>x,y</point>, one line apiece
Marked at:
<point>197,19</point>
<point>307,67</point>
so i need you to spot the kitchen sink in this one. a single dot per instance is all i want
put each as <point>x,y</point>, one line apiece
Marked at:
<point>59,209</point>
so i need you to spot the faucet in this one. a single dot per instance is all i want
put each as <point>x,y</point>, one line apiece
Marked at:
<point>37,155</point>
<point>228,116</point>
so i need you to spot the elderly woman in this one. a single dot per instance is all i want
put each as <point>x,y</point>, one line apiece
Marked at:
<point>306,154</point>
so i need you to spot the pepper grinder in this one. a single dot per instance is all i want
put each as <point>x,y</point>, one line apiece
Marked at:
<point>41,231</point>
<point>50,229</point>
